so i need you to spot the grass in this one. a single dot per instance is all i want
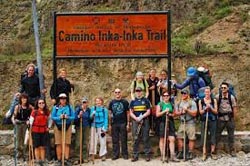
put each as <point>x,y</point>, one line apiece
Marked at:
<point>222,12</point>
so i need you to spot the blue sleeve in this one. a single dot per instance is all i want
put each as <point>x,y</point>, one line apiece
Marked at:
<point>72,113</point>
<point>53,115</point>
<point>77,111</point>
<point>148,105</point>
<point>106,119</point>
<point>183,85</point>
<point>131,105</point>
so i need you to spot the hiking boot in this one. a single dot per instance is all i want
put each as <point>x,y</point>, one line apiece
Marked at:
<point>190,156</point>
<point>85,161</point>
<point>174,159</point>
<point>67,163</point>
<point>125,157</point>
<point>180,155</point>
<point>134,159</point>
<point>115,157</point>
<point>58,163</point>
<point>213,156</point>
<point>232,153</point>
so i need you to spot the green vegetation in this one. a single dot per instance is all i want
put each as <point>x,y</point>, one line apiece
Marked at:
<point>222,12</point>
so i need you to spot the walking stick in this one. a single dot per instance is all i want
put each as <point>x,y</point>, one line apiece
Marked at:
<point>63,138</point>
<point>15,144</point>
<point>80,141</point>
<point>165,140</point>
<point>31,152</point>
<point>184,139</point>
<point>205,139</point>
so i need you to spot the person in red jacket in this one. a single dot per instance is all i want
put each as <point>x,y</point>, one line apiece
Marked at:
<point>39,126</point>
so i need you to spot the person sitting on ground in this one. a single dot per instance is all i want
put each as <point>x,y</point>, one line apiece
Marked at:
<point>139,82</point>
<point>208,107</point>
<point>163,109</point>
<point>99,127</point>
<point>187,110</point>
<point>39,126</point>
<point>82,111</point>
<point>60,112</point>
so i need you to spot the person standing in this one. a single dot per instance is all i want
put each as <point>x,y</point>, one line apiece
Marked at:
<point>119,124</point>
<point>165,109</point>
<point>187,110</point>
<point>139,112</point>
<point>30,85</point>
<point>39,126</point>
<point>208,107</point>
<point>20,119</point>
<point>227,108</point>
<point>154,99</point>
<point>99,127</point>
<point>59,112</point>
<point>62,85</point>
<point>83,111</point>
<point>139,81</point>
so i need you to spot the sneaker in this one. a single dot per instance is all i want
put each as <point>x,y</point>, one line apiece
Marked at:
<point>147,158</point>
<point>103,158</point>
<point>180,155</point>
<point>213,156</point>
<point>174,159</point>
<point>58,163</point>
<point>134,159</point>
<point>190,156</point>
<point>115,157</point>
<point>85,160</point>
<point>67,163</point>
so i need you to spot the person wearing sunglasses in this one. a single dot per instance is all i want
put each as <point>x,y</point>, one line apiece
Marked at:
<point>187,110</point>
<point>139,112</point>
<point>119,108</point>
<point>39,126</point>
<point>227,108</point>
<point>165,109</point>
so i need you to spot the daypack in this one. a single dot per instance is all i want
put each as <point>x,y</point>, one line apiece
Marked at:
<point>231,91</point>
<point>206,76</point>
<point>10,112</point>
<point>25,73</point>
<point>144,84</point>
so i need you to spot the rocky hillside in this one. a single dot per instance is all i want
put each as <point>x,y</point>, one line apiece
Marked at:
<point>212,33</point>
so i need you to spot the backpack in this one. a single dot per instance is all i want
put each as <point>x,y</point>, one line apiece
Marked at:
<point>144,84</point>
<point>211,116</point>
<point>7,118</point>
<point>206,76</point>
<point>25,73</point>
<point>67,125</point>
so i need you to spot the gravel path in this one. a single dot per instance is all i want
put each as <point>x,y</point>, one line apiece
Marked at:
<point>242,159</point>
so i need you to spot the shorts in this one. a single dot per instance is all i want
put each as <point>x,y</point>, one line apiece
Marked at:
<point>39,139</point>
<point>58,136</point>
<point>171,131</point>
<point>190,131</point>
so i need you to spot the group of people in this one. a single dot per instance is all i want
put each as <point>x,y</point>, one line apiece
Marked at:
<point>153,107</point>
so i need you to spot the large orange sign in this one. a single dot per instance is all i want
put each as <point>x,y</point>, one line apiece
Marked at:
<point>109,35</point>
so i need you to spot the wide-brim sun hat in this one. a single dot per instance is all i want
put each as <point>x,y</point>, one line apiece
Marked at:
<point>191,71</point>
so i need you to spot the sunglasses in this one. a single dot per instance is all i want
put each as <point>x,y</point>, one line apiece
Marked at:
<point>183,93</point>
<point>165,95</point>
<point>138,90</point>
<point>223,87</point>
<point>41,103</point>
<point>117,92</point>
<point>63,98</point>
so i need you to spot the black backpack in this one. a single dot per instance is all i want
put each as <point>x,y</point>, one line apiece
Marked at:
<point>144,84</point>
<point>205,75</point>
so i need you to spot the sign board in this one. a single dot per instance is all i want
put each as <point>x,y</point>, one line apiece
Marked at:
<point>111,35</point>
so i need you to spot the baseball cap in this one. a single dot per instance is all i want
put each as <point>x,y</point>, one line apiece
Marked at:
<point>185,91</point>
<point>139,73</point>
<point>138,88</point>
<point>84,99</point>
<point>62,95</point>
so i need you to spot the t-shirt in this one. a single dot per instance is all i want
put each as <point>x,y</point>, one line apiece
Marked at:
<point>119,110</point>
<point>224,106</point>
<point>190,104</point>
<point>139,84</point>
<point>164,106</point>
<point>140,106</point>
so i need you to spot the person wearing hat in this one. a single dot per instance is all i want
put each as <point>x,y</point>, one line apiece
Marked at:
<point>139,112</point>
<point>119,108</point>
<point>193,81</point>
<point>187,110</point>
<point>139,81</point>
<point>82,111</point>
<point>62,111</point>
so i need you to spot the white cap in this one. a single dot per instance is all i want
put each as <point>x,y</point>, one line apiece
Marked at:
<point>62,95</point>
<point>139,73</point>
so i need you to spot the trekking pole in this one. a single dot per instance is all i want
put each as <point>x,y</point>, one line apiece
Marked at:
<point>63,139</point>
<point>15,145</point>
<point>184,139</point>
<point>80,141</point>
<point>31,152</point>
<point>205,139</point>
<point>165,140</point>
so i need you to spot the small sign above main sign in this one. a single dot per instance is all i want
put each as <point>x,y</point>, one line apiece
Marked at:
<point>111,34</point>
